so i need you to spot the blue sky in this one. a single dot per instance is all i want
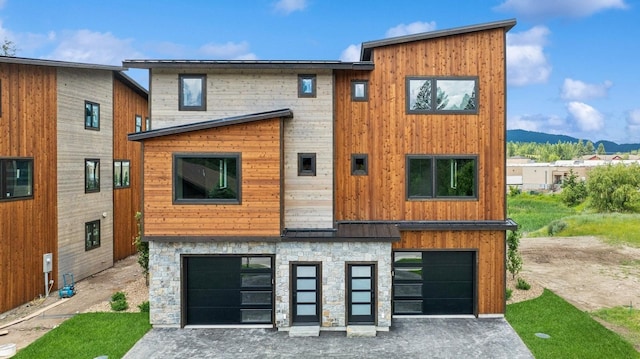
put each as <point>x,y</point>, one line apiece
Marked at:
<point>572,64</point>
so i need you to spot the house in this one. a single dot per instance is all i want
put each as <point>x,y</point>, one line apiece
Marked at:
<point>69,178</point>
<point>329,194</point>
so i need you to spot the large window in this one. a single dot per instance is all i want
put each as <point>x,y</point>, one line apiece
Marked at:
<point>91,115</point>
<point>213,178</point>
<point>91,175</point>
<point>92,235</point>
<point>442,95</point>
<point>193,93</point>
<point>121,169</point>
<point>16,178</point>
<point>441,177</point>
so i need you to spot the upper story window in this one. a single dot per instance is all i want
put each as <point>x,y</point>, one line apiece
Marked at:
<point>428,95</point>
<point>91,115</point>
<point>359,90</point>
<point>306,164</point>
<point>207,178</point>
<point>441,177</point>
<point>147,124</point>
<point>91,175</point>
<point>192,92</point>
<point>121,172</point>
<point>306,85</point>
<point>92,235</point>
<point>16,178</point>
<point>138,123</point>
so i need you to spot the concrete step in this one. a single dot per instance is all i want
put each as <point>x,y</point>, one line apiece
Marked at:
<point>361,331</point>
<point>304,331</point>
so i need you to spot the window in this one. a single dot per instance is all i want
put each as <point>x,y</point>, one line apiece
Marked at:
<point>441,177</point>
<point>91,175</point>
<point>359,164</point>
<point>91,115</point>
<point>138,123</point>
<point>121,170</point>
<point>147,124</point>
<point>207,178</point>
<point>442,95</point>
<point>359,90</point>
<point>92,235</point>
<point>16,178</point>
<point>306,164</point>
<point>193,93</point>
<point>306,85</point>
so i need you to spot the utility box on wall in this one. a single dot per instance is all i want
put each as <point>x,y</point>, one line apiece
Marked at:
<point>47,262</point>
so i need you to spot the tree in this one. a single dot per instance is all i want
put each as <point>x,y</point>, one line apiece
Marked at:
<point>600,149</point>
<point>574,191</point>
<point>614,188</point>
<point>514,259</point>
<point>8,48</point>
<point>423,99</point>
<point>143,249</point>
<point>589,148</point>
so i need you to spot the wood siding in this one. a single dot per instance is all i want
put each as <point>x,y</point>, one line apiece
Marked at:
<point>28,226</point>
<point>308,200</point>
<point>259,212</point>
<point>382,129</point>
<point>127,201</point>
<point>75,144</point>
<point>490,246</point>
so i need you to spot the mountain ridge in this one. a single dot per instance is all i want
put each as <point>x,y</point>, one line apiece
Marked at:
<point>541,137</point>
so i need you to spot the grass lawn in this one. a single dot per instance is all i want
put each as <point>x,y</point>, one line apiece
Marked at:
<point>616,228</point>
<point>90,335</point>
<point>573,333</point>
<point>533,212</point>
<point>625,317</point>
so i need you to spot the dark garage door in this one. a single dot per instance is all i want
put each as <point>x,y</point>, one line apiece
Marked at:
<point>228,290</point>
<point>433,282</point>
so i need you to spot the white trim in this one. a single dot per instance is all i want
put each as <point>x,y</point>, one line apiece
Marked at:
<point>451,316</point>
<point>490,316</point>
<point>230,326</point>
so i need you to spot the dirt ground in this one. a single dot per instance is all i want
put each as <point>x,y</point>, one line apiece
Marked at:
<point>583,270</point>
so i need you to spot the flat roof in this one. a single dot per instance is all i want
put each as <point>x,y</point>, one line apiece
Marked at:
<point>56,63</point>
<point>248,64</point>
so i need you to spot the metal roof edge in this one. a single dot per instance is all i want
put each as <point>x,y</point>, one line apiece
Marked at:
<point>57,63</point>
<point>249,64</point>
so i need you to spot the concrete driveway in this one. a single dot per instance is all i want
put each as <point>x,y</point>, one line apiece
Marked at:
<point>408,338</point>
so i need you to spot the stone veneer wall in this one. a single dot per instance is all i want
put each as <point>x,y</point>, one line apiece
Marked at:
<point>165,267</point>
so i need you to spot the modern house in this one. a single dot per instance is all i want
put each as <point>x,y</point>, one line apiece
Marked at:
<point>329,194</point>
<point>69,178</point>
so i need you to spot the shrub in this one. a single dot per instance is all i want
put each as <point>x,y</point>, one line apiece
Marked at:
<point>556,227</point>
<point>118,296</point>
<point>509,293</point>
<point>144,307</point>
<point>514,191</point>
<point>119,302</point>
<point>514,259</point>
<point>574,191</point>
<point>522,284</point>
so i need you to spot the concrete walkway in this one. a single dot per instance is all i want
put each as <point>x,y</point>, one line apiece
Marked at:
<point>408,338</point>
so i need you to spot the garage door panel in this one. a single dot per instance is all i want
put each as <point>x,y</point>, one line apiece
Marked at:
<point>446,258</point>
<point>204,316</point>
<point>453,273</point>
<point>447,306</point>
<point>224,298</point>
<point>448,290</point>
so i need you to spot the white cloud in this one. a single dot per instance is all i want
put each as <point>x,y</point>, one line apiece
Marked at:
<point>559,8</point>
<point>288,6</point>
<point>2,3</point>
<point>539,123</point>
<point>586,117</point>
<point>228,51</point>
<point>633,121</point>
<point>526,60</point>
<point>413,28</point>
<point>93,47</point>
<point>578,90</point>
<point>351,53</point>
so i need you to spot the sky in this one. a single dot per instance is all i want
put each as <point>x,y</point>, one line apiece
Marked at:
<point>572,65</point>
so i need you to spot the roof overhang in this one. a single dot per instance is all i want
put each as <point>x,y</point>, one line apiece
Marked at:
<point>247,64</point>
<point>55,63</point>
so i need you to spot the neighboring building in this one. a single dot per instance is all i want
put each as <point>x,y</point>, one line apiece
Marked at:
<point>329,194</point>
<point>63,128</point>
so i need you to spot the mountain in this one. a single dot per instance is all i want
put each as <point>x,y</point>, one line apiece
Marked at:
<point>540,137</point>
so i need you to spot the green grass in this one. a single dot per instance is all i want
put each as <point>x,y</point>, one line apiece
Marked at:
<point>90,335</point>
<point>623,317</point>
<point>574,334</point>
<point>533,212</point>
<point>616,228</point>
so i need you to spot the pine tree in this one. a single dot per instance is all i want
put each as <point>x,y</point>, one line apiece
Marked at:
<point>423,100</point>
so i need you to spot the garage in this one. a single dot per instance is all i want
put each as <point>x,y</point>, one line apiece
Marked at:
<point>434,282</point>
<point>227,290</point>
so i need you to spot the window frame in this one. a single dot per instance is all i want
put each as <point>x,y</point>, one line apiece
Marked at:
<point>89,226</point>
<point>302,93</point>
<point>359,172</point>
<point>235,155</point>
<point>203,92</point>
<point>147,123</point>
<point>365,96</point>
<point>87,188</point>
<point>306,172</point>
<point>138,123</point>
<point>4,181</point>
<point>121,184</point>
<point>434,177</point>
<point>433,98</point>
<point>92,106</point>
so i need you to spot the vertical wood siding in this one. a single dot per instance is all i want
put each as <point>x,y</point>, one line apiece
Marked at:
<point>382,129</point>
<point>259,213</point>
<point>75,143</point>
<point>28,226</point>
<point>127,201</point>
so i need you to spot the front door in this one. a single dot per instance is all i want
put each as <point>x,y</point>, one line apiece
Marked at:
<point>306,293</point>
<point>361,293</point>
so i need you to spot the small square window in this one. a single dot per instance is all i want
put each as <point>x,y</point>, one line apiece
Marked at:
<point>92,235</point>
<point>91,175</point>
<point>91,115</point>
<point>16,178</point>
<point>306,85</point>
<point>193,92</point>
<point>121,173</point>
<point>359,164</point>
<point>359,90</point>
<point>138,123</point>
<point>306,164</point>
